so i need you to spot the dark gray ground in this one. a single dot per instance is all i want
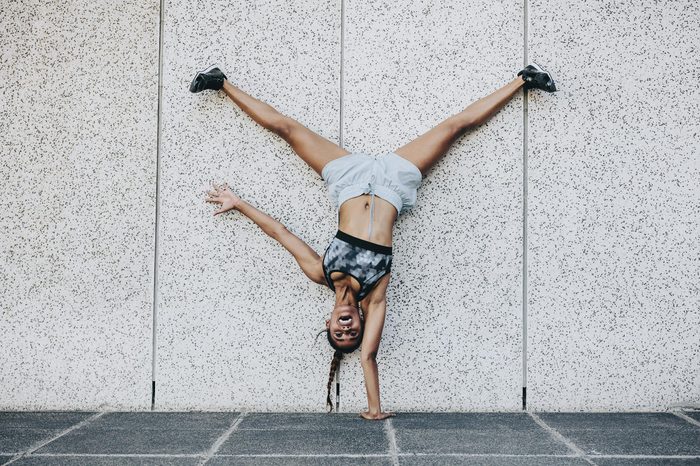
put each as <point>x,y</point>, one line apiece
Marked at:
<point>223,438</point>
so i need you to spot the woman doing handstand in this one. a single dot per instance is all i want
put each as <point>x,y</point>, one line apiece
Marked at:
<point>357,263</point>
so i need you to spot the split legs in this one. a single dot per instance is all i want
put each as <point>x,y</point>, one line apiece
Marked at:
<point>423,151</point>
<point>313,148</point>
<point>427,149</point>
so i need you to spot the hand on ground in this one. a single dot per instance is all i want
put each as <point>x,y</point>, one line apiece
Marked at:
<point>222,194</point>
<point>376,417</point>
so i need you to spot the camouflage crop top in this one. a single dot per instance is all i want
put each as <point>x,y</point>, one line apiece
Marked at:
<point>367,262</point>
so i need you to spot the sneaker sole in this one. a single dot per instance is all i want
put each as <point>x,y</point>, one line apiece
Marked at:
<point>209,68</point>
<point>551,76</point>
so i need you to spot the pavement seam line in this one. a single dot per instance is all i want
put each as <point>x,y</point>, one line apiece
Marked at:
<point>391,437</point>
<point>555,434</point>
<point>545,455</point>
<point>222,438</point>
<point>304,455</point>
<point>684,457</point>
<point>686,417</point>
<point>351,455</point>
<point>119,455</point>
<point>41,443</point>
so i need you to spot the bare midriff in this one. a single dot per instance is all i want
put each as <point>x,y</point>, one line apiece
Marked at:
<point>353,219</point>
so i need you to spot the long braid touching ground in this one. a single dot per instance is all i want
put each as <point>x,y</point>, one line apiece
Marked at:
<point>339,351</point>
<point>337,356</point>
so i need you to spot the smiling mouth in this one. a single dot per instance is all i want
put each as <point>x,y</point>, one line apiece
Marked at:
<point>345,319</point>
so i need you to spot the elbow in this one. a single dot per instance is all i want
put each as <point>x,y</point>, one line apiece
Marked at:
<point>471,124</point>
<point>458,130</point>
<point>278,231</point>
<point>281,126</point>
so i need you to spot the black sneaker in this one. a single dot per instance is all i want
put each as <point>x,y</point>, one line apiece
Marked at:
<point>537,78</point>
<point>209,78</point>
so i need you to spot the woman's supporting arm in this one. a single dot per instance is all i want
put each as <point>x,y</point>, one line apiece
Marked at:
<point>374,313</point>
<point>374,322</point>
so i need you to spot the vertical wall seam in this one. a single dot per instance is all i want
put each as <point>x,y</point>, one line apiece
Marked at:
<point>342,74</point>
<point>524,245</point>
<point>340,143</point>
<point>157,222</point>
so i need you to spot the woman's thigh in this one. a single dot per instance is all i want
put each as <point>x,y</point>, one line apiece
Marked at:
<point>313,148</point>
<point>431,146</point>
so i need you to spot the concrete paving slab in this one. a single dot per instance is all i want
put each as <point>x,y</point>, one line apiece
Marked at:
<point>36,460</point>
<point>491,460</point>
<point>166,420</point>
<point>137,441</point>
<point>492,438</point>
<point>299,461</point>
<point>627,433</point>
<point>305,442</point>
<point>307,421</point>
<point>646,461</point>
<point>19,430</point>
<point>504,433</point>
<point>16,440</point>
<point>493,420</point>
<point>532,441</point>
<point>41,419</point>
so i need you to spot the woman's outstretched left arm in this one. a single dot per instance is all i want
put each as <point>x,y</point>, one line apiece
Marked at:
<point>306,257</point>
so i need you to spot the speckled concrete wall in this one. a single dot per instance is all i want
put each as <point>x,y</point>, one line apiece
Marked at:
<point>614,307</point>
<point>453,333</point>
<point>612,205</point>
<point>236,316</point>
<point>78,148</point>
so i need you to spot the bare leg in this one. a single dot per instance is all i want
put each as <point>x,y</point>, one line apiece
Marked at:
<point>431,146</point>
<point>313,148</point>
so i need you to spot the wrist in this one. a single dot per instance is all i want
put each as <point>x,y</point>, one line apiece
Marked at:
<point>238,203</point>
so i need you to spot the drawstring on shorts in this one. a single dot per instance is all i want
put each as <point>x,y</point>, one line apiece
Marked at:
<point>371,207</point>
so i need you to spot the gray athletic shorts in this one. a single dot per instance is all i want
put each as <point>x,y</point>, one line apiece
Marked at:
<point>388,175</point>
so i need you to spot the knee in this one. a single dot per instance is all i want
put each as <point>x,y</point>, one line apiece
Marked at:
<point>459,127</point>
<point>477,122</point>
<point>281,125</point>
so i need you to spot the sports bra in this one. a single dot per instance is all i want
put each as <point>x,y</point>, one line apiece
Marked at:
<point>367,262</point>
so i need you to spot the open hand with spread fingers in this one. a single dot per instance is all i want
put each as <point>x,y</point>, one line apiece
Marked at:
<point>222,194</point>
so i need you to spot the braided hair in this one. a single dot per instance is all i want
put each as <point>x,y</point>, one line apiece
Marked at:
<point>338,355</point>
<point>335,363</point>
